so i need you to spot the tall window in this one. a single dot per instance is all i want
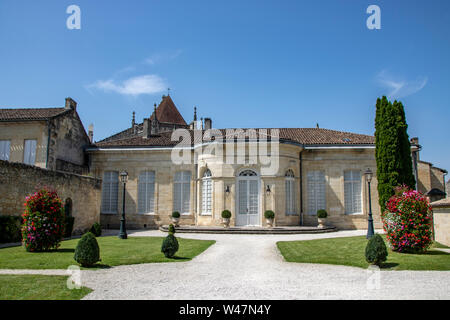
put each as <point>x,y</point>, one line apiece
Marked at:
<point>182,192</point>
<point>290,192</point>
<point>4,149</point>
<point>110,192</point>
<point>316,191</point>
<point>352,191</point>
<point>146,192</point>
<point>29,155</point>
<point>206,192</point>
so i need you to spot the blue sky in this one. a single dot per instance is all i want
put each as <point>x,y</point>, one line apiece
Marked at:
<point>243,63</point>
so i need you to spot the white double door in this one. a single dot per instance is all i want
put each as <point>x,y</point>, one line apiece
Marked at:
<point>248,202</point>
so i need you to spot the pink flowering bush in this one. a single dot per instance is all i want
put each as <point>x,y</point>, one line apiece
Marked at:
<point>43,221</point>
<point>408,221</point>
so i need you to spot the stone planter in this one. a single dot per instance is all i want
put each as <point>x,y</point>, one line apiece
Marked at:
<point>226,222</point>
<point>176,221</point>
<point>321,222</point>
<point>269,223</point>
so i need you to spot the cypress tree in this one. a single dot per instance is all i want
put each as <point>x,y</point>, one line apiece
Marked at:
<point>406,171</point>
<point>392,149</point>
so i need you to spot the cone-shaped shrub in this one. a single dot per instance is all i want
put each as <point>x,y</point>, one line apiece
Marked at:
<point>43,221</point>
<point>87,252</point>
<point>169,246</point>
<point>96,229</point>
<point>376,251</point>
<point>171,229</point>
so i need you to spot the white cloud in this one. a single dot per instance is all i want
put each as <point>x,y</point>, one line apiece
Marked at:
<point>399,88</point>
<point>135,86</point>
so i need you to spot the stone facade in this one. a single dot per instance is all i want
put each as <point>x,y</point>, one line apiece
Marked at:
<point>19,180</point>
<point>60,135</point>
<point>333,162</point>
<point>441,219</point>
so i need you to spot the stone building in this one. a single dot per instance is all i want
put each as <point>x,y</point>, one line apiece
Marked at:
<point>316,169</point>
<point>200,171</point>
<point>51,138</point>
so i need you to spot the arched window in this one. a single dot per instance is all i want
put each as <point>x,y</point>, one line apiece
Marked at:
<point>248,173</point>
<point>146,192</point>
<point>206,192</point>
<point>182,192</point>
<point>290,192</point>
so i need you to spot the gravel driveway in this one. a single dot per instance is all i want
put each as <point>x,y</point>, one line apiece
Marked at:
<point>250,267</point>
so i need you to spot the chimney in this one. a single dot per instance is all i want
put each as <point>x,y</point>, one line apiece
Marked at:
<point>91,133</point>
<point>70,104</point>
<point>146,129</point>
<point>415,141</point>
<point>208,123</point>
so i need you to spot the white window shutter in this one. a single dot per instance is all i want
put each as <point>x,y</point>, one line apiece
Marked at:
<point>30,152</point>
<point>316,191</point>
<point>5,149</point>
<point>352,191</point>
<point>146,192</point>
<point>110,192</point>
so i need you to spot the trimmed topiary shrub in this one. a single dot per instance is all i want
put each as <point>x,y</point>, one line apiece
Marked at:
<point>69,222</point>
<point>322,214</point>
<point>43,221</point>
<point>169,246</point>
<point>376,251</point>
<point>226,214</point>
<point>10,230</point>
<point>408,221</point>
<point>96,229</point>
<point>87,252</point>
<point>269,214</point>
<point>171,229</point>
<point>175,214</point>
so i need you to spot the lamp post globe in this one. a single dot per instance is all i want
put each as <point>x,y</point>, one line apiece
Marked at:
<point>370,229</point>
<point>123,229</point>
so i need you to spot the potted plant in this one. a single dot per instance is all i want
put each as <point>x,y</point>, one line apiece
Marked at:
<point>175,218</point>
<point>270,216</point>
<point>321,218</point>
<point>226,215</point>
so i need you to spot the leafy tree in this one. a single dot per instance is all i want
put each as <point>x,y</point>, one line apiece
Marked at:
<point>392,149</point>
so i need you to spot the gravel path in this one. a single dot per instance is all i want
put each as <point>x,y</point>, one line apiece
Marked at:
<point>250,267</point>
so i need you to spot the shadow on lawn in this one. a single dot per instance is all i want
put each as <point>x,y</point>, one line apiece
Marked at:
<point>388,265</point>
<point>179,258</point>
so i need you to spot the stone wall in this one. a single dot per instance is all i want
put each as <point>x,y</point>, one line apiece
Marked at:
<point>441,219</point>
<point>19,180</point>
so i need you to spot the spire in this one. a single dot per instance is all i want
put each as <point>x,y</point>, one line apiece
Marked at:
<point>133,120</point>
<point>195,113</point>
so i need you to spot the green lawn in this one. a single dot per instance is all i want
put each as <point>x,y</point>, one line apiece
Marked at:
<point>350,252</point>
<point>38,287</point>
<point>113,252</point>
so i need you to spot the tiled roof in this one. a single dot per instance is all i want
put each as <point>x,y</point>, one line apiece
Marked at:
<point>30,114</point>
<point>167,112</point>
<point>303,136</point>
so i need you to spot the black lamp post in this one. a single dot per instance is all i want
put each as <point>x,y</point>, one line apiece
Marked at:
<point>370,231</point>
<point>123,229</point>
